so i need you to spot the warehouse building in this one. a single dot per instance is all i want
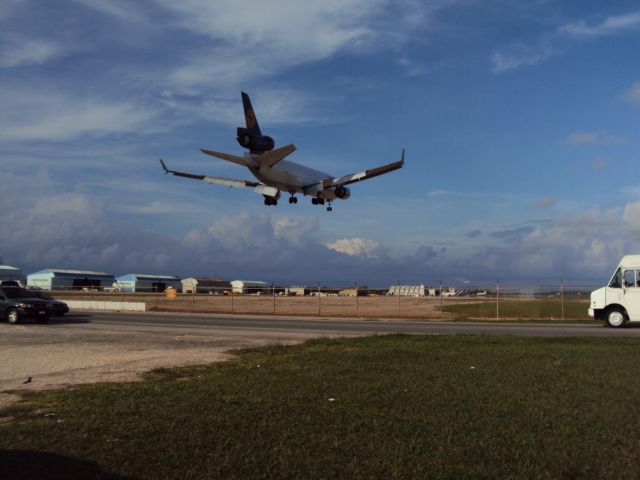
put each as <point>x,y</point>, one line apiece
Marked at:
<point>250,286</point>
<point>408,290</point>
<point>7,272</point>
<point>57,279</point>
<point>212,286</point>
<point>137,282</point>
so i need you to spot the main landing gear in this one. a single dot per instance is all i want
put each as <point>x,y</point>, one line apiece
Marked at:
<point>270,200</point>
<point>320,201</point>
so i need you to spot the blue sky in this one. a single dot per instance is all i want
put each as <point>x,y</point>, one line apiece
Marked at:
<point>520,122</point>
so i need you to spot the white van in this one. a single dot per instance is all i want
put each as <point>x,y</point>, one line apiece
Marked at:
<point>619,302</point>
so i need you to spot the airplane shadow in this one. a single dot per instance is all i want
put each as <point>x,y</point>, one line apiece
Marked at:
<point>32,465</point>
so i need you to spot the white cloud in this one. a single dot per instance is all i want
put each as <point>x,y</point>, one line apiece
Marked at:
<point>556,41</point>
<point>22,51</point>
<point>582,138</point>
<point>36,115</point>
<point>356,246</point>
<point>633,94</point>
<point>545,202</point>
<point>257,39</point>
<point>610,26</point>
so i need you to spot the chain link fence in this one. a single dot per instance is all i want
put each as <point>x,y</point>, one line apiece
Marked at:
<point>497,302</point>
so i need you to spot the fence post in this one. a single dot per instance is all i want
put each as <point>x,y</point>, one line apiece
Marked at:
<point>231,299</point>
<point>441,296</point>
<point>156,300</point>
<point>498,300</point>
<point>399,297</point>
<point>562,297</point>
<point>273,293</point>
<point>193,298</point>
<point>319,299</point>
<point>357,306</point>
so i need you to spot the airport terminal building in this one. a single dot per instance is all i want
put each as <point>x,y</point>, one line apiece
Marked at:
<point>56,279</point>
<point>137,282</point>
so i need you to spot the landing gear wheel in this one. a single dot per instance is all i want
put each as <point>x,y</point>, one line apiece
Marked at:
<point>293,200</point>
<point>616,318</point>
<point>13,316</point>
<point>314,201</point>
<point>329,209</point>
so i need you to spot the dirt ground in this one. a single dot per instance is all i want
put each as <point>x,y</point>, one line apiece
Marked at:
<point>71,352</point>
<point>370,306</point>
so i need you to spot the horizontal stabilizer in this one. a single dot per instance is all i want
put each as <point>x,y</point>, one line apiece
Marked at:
<point>269,159</point>
<point>225,156</point>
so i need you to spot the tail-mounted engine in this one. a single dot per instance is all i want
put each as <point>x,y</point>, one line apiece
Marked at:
<point>254,143</point>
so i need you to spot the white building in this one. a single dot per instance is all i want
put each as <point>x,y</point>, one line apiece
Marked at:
<point>212,286</point>
<point>250,286</point>
<point>408,290</point>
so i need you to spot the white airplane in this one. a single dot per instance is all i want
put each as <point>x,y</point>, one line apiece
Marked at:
<point>275,174</point>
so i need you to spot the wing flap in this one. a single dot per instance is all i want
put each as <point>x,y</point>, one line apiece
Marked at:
<point>227,182</point>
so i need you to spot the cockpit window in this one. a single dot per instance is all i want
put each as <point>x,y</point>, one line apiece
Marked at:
<point>616,280</point>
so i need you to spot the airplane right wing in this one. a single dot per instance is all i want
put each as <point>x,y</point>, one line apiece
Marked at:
<point>358,177</point>
<point>227,182</point>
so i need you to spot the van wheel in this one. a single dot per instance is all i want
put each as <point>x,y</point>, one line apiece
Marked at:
<point>13,316</point>
<point>615,317</point>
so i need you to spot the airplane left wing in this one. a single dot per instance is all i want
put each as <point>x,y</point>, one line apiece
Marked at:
<point>366,174</point>
<point>227,182</point>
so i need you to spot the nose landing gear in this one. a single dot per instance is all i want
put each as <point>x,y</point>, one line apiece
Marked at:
<point>293,199</point>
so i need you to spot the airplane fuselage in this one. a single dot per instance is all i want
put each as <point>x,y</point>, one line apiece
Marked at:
<point>290,177</point>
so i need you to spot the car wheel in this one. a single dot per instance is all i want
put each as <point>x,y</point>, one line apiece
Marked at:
<point>616,317</point>
<point>13,316</point>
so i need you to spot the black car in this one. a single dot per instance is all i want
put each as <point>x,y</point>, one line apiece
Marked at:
<point>58,308</point>
<point>17,304</point>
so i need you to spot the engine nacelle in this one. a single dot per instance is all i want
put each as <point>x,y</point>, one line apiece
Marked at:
<point>342,192</point>
<point>253,142</point>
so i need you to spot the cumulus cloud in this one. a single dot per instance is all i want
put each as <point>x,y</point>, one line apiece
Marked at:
<point>610,26</point>
<point>545,202</point>
<point>356,246</point>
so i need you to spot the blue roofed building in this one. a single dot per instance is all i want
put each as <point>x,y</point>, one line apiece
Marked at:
<point>7,272</point>
<point>137,282</point>
<point>58,279</point>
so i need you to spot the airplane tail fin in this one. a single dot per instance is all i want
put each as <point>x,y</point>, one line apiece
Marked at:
<point>249,115</point>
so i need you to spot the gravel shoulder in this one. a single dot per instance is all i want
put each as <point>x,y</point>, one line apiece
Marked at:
<point>74,351</point>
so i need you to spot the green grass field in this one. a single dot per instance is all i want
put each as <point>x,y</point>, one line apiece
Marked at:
<point>382,407</point>
<point>538,309</point>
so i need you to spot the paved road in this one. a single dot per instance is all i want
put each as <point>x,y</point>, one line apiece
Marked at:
<point>92,347</point>
<point>310,326</point>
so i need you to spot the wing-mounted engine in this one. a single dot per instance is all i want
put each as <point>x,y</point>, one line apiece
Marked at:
<point>255,143</point>
<point>342,192</point>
